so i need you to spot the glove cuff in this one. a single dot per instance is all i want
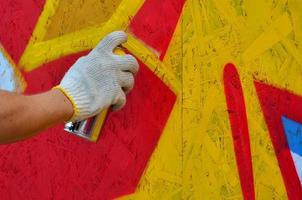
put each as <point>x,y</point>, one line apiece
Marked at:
<point>78,99</point>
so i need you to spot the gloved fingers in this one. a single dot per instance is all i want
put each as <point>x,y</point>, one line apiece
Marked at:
<point>112,40</point>
<point>126,81</point>
<point>121,101</point>
<point>127,63</point>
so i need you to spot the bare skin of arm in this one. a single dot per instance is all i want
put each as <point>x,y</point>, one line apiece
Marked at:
<point>23,116</point>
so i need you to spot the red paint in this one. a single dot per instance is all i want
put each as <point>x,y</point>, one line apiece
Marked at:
<point>48,75</point>
<point>57,165</point>
<point>275,103</point>
<point>240,132</point>
<point>156,21</point>
<point>17,22</point>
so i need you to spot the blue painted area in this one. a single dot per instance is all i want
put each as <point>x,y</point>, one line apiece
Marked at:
<point>293,131</point>
<point>7,77</point>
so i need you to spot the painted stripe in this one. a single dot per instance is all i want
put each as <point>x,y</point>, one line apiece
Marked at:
<point>240,132</point>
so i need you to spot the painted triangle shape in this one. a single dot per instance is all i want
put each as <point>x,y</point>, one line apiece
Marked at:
<point>277,106</point>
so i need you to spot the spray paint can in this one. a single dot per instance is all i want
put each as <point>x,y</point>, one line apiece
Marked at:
<point>88,129</point>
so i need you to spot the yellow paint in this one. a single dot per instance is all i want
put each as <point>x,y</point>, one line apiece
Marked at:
<point>96,129</point>
<point>69,14</point>
<point>149,57</point>
<point>195,158</point>
<point>39,51</point>
<point>279,29</point>
<point>196,145</point>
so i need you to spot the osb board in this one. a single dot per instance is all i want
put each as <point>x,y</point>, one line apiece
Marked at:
<point>221,139</point>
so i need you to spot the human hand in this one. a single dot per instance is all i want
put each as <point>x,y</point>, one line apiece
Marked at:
<point>100,79</point>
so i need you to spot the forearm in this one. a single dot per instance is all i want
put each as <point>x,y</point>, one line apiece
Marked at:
<point>95,82</point>
<point>23,116</point>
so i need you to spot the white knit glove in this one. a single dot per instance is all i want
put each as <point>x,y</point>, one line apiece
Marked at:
<point>100,79</point>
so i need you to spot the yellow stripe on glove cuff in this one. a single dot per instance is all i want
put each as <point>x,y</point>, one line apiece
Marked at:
<point>76,111</point>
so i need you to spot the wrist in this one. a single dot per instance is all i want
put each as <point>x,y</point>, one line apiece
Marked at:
<point>65,105</point>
